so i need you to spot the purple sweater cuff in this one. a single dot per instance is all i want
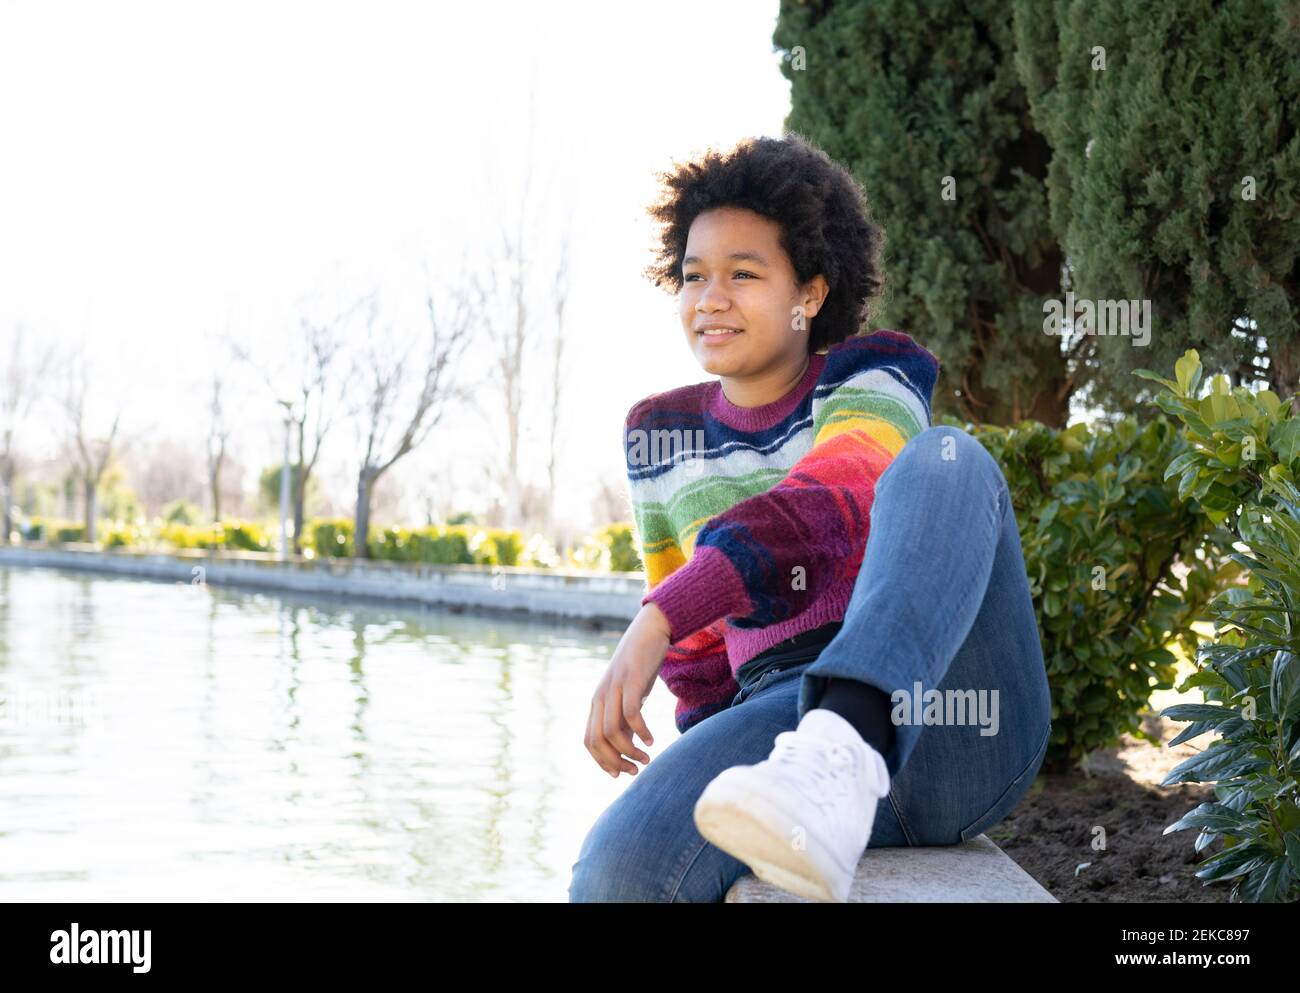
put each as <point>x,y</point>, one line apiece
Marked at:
<point>705,589</point>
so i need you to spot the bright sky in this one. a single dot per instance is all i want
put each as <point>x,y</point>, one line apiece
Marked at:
<point>171,169</point>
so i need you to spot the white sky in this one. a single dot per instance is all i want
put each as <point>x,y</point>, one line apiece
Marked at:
<point>171,169</point>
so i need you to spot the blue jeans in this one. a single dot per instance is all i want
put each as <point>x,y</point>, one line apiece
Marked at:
<point>941,599</point>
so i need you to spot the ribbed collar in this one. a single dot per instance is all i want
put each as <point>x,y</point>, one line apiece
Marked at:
<point>759,418</point>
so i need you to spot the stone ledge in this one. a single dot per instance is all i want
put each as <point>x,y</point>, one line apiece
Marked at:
<point>976,871</point>
<point>596,598</point>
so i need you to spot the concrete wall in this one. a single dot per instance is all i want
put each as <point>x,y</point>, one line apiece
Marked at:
<point>611,598</point>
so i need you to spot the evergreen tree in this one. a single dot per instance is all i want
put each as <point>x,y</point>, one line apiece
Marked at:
<point>923,103</point>
<point>1175,175</point>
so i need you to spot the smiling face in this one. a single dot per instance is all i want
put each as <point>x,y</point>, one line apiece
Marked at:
<point>736,275</point>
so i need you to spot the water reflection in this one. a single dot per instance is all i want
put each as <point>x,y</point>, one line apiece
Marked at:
<point>235,745</point>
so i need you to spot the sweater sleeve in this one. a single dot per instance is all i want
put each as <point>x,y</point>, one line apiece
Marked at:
<point>768,557</point>
<point>696,668</point>
<point>697,671</point>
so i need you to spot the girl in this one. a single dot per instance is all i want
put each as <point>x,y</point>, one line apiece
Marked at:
<point>832,694</point>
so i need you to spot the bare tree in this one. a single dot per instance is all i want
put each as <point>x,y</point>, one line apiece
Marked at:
<point>510,326</point>
<point>21,383</point>
<point>218,437</point>
<point>316,389</point>
<point>559,297</point>
<point>611,503</point>
<point>505,315</point>
<point>392,424</point>
<point>91,454</point>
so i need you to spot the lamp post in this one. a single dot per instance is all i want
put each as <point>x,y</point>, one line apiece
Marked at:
<point>284,483</point>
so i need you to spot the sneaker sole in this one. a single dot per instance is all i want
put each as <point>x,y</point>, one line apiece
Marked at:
<point>738,821</point>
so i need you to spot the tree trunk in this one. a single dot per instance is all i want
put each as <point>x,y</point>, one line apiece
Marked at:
<point>299,498</point>
<point>361,526</point>
<point>7,484</point>
<point>90,488</point>
<point>1282,369</point>
<point>300,486</point>
<point>216,494</point>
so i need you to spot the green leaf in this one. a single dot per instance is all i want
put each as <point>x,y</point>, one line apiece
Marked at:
<point>1180,464</point>
<point>1233,861</point>
<point>1284,686</point>
<point>1203,712</point>
<point>1266,882</point>
<point>1148,374</point>
<point>1269,401</point>
<point>1187,370</point>
<point>1211,817</point>
<point>1284,440</point>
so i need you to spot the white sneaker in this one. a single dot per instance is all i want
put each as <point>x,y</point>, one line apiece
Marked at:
<point>801,818</point>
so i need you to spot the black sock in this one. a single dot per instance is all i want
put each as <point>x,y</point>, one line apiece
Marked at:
<point>864,706</point>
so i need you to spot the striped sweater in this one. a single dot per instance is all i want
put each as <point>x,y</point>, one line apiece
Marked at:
<point>752,521</point>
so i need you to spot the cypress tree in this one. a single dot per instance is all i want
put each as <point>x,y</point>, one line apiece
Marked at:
<point>922,101</point>
<point>1175,175</point>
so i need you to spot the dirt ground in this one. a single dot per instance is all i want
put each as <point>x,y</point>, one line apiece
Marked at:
<point>1051,832</point>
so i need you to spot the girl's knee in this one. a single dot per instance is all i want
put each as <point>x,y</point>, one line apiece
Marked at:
<point>952,450</point>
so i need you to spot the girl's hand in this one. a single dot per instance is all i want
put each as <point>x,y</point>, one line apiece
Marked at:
<point>616,705</point>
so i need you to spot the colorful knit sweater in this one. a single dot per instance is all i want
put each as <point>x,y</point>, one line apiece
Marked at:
<point>752,521</point>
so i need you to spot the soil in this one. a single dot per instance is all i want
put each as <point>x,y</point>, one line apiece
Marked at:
<point>1053,833</point>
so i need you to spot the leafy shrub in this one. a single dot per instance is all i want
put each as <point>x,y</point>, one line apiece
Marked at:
<point>189,536</point>
<point>446,546</point>
<point>245,536</point>
<point>501,547</point>
<point>1101,532</point>
<point>1241,465</point>
<point>332,538</point>
<point>433,545</point>
<point>612,548</point>
<point>120,536</point>
<point>620,539</point>
<point>69,532</point>
<point>436,545</point>
<point>182,512</point>
<point>228,534</point>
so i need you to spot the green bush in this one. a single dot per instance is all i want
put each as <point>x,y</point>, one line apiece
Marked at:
<point>620,539</point>
<point>245,536</point>
<point>69,532</point>
<point>432,545</point>
<point>189,536</point>
<point>227,534</point>
<point>445,546</point>
<point>182,512</point>
<point>1241,466</point>
<point>53,530</point>
<point>436,545</point>
<point>1101,532</point>
<point>120,536</point>
<point>612,548</point>
<point>331,538</point>
<point>499,546</point>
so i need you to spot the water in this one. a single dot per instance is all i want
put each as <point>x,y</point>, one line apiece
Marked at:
<point>170,742</point>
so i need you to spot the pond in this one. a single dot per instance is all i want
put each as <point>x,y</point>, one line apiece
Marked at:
<point>174,742</point>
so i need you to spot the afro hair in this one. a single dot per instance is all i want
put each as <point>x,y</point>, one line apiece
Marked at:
<point>826,224</point>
